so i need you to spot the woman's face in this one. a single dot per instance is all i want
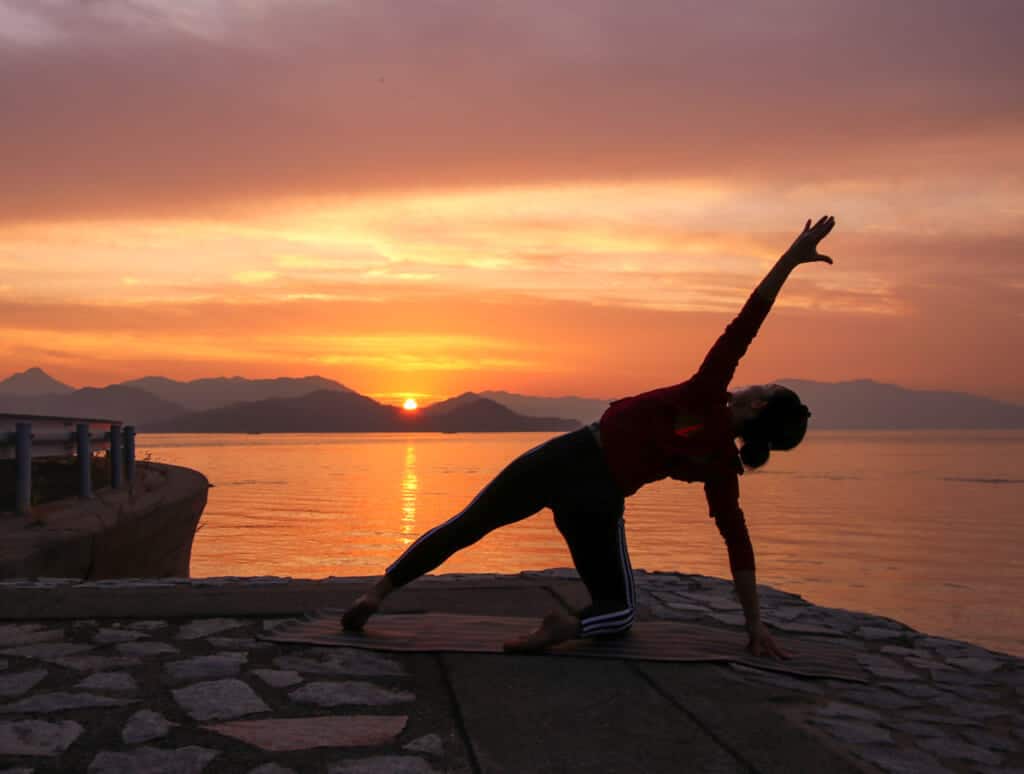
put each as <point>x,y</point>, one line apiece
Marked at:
<point>747,402</point>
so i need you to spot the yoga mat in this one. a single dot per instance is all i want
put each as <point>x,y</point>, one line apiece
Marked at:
<point>648,641</point>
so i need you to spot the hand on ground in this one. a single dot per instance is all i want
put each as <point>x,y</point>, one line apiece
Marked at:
<point>762,644</point>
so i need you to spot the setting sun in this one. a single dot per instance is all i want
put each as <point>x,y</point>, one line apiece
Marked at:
<point>410,404</point>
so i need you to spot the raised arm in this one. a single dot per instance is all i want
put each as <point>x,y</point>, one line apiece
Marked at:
<point>719,365</point>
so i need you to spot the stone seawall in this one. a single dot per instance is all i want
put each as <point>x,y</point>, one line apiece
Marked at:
<point>142,531</point>
<point>178,674</point>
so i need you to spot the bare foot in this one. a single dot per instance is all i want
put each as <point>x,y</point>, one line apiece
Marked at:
<point>555,628</point>
<point>355,617</point>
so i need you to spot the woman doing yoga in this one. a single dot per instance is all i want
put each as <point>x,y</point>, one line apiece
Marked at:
<point>686,432</point>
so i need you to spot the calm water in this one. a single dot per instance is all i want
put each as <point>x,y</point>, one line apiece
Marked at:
<point>924,527</point>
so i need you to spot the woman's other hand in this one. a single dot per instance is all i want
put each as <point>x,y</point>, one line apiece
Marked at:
<point>805,247</point>
<point>762,644</point>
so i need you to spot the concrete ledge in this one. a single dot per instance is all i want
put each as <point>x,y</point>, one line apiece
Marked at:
<point>144,531</point>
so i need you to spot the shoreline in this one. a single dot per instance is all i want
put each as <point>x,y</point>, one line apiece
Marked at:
<point>190,652</point>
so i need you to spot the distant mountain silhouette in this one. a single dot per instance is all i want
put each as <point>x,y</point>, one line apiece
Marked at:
<point>471,413</point>
<point>449,405</point>
<point>34,382</point>
<point>332,411</point>
<point>861,404</point>
<point>131,406</point>
<point>583,410</point>
<point>313,404</point>
<point>203,394</point>
<point>864,404</point>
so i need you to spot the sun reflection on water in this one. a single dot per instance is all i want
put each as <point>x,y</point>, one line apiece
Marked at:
<point>410,485</point>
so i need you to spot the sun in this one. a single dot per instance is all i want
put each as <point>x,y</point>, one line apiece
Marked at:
<point>410,404</point>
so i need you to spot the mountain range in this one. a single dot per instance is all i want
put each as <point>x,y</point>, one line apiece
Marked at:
<point>316,404</point>
<point>237,405</point>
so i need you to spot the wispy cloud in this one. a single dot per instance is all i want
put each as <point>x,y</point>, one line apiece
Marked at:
<point>198,107</point>
<point>253,276</point>
<point>563,197</point>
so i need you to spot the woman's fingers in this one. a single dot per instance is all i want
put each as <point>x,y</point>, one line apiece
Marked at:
<point>763,644</point>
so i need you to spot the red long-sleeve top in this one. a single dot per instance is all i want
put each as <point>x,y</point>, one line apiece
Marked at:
<point>642,444</point>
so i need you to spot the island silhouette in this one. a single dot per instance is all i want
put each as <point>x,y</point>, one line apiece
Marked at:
<point>317,404</point>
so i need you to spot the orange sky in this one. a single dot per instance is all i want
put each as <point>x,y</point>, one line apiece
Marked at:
<point>418,199</point>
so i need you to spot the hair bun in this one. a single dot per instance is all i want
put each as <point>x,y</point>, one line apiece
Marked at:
<point>755,453</point>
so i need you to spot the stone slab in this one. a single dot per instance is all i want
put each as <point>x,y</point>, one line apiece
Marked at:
<point>289,734</point>
<point>384,764</point>
<point>766,740</point>
<point>278,678</point>
<point>93,663</point>
<point>152,760</point>
<point>205,667</point>
<point>114,682</point>
<point>144,726</point>
<point>600,698</point>
<point>58,701</point>
<point>351,662</point>
<point>12,635</point>
<point>953,748</point>
<point>331,694</point>
<point>146,649</point>
<point>272,768</point>
<point>37,737</point>
<point>431,744</point>
<point>112,636</point>
<point>895,760</point>
<point>219,700</point>
<point>852,733</point>
<point>17,683</point>
<point>147,626</point>
<point>207,626</point>
<point>47,651</point>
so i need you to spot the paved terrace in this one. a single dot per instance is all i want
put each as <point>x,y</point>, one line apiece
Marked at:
<point>171,676</point>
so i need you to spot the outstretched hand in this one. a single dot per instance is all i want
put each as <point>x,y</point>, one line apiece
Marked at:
<point>805,247</point>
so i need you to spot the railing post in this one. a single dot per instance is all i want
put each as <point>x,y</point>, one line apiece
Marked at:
<point>116,459</point>
<point>129,452</point>
<point>23,464</point>
<point>84,461</point>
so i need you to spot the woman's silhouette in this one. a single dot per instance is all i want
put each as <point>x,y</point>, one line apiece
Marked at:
<point>686,432</point>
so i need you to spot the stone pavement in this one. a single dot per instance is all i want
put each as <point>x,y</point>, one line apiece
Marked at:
<point>170,676</point>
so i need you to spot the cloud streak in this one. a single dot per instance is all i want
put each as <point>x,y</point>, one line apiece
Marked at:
<point>127,108</point>
<point>437,196</point>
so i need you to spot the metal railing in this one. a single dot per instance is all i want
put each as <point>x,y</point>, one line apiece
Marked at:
<point>25,437</point>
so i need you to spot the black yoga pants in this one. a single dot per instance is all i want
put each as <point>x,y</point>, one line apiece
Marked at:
<point>569,475</point>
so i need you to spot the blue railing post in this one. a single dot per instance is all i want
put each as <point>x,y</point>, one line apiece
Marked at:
<point>116,458</point>
<point>84,461</point>
<point>129,452</point>
<point>23,464</point>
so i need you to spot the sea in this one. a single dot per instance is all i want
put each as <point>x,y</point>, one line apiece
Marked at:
<point>924,527</point>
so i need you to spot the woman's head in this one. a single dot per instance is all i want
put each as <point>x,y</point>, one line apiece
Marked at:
<point>767,417</point>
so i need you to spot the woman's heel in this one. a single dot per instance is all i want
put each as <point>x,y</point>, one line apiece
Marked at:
<point>355,617</point>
